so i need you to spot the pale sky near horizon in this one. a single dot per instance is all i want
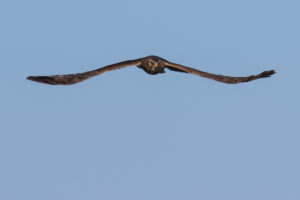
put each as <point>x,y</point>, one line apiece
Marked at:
<point>129,135</point>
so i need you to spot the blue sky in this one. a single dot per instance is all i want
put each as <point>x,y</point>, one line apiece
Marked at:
<point>129,135</point>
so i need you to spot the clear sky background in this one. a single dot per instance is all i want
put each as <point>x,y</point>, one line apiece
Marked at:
<point>129,135</point>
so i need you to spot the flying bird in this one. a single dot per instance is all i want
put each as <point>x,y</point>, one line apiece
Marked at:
<point>151,65</point>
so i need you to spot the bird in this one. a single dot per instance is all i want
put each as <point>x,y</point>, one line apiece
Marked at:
<point>152,65</point>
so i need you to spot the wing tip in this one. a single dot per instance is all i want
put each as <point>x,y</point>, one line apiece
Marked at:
<point>32,78</point>
<point>41,79</point>
<point>268,73</point>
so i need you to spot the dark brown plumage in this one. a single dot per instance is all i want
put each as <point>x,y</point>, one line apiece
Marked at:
<point>151,65</point>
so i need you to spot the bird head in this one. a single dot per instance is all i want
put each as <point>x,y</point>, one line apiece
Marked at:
<point>153,63</point>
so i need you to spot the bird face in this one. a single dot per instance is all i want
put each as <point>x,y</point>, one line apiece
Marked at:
<point>152,63</point>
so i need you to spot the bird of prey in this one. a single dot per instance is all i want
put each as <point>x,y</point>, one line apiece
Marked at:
<point>151,65</point>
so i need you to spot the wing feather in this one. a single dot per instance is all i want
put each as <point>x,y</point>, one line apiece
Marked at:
<point>220,78</point>
<point>69,79</point>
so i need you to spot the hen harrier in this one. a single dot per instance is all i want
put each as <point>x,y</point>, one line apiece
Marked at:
<point>151,65</point>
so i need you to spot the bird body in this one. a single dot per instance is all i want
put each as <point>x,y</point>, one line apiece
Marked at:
<point>151,65</point>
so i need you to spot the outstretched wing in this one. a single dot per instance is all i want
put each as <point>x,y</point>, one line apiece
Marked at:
<point>69,79</point>
<point>220,78</point>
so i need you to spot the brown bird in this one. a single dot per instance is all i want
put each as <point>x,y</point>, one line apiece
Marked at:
<point>151,65</point>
